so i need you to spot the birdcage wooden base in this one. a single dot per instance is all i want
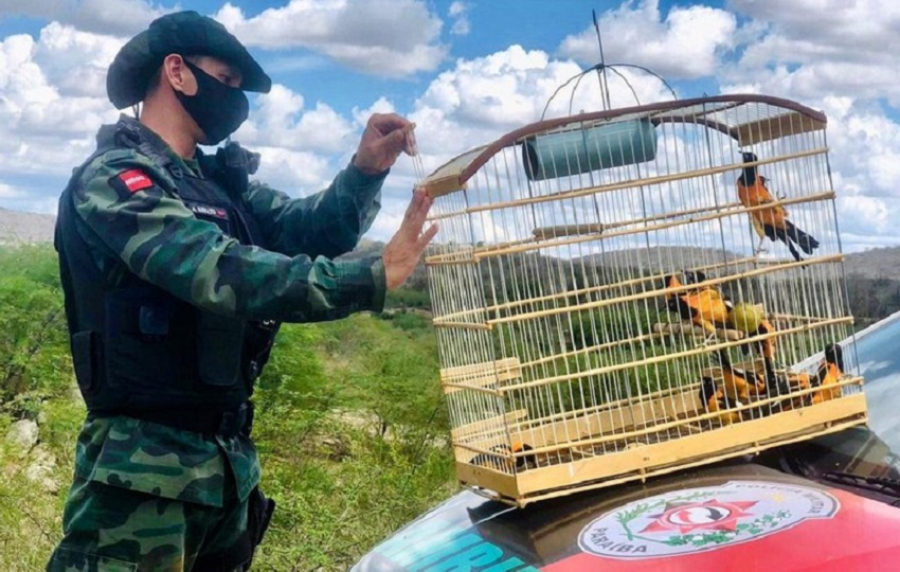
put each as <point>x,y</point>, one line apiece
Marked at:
<point>696,444</point>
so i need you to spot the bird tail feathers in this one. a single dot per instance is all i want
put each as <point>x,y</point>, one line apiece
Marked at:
<point>805,241</point>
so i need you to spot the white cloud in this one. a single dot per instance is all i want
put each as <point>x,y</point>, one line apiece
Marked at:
<point>381,105</point>
<point>389,219</point>
<point>457,8</point>
<point>394,38</point>
<point>44,9</point>
<point>116,17</point>
<point>75,62</point>
<point>110,17</point>
<point>865,157</point>
<point>835,27</point>
<point>459,12</point>
<point>45,132</point>
<point>821,47</point>
<point>281,120</point>
<point>9,192</point>
<point>861,214</point>
<point>297,173</point>
<point>688,43</point>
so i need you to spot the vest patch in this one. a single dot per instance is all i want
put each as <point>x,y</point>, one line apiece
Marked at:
<point>135,180</point>
<point>208,210</point>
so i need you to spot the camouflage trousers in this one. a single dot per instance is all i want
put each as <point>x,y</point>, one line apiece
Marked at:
<point>113,529</point>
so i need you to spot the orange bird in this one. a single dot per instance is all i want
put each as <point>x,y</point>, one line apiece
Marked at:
<point>714,399</point>
<point>704,306</point>
<point>501,461</point>
<point>739,384</point>
<point>830,371</point>
<point>772,222</point>
<point>765,348</point>
<point>828,374</point>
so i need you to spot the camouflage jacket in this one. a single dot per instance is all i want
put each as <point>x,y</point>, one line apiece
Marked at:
<point>150,232</point>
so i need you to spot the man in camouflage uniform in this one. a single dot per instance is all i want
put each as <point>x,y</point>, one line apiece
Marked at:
<point>176,271</point>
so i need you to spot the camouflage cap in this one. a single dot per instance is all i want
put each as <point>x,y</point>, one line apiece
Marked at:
<point>185,33</point>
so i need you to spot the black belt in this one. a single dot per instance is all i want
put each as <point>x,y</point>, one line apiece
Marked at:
<point>222,423</point>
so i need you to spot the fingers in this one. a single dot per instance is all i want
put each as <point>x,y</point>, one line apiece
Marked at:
<point>395,133</point>
<point>410,146</point>
<point>406,247</point>
<point>397,141</point>
<point>426,237</point>
<point>416,205</point>
<point>387,122</point>
<point>417,212</point>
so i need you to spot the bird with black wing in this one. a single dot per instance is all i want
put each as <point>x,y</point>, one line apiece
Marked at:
<point>704,306</point>
<point>715,400</point>
<point>501,460</point>
<point>771,223</point>
<point>739,384</point>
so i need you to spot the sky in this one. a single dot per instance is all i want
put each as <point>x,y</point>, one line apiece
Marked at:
<point>466,71</point>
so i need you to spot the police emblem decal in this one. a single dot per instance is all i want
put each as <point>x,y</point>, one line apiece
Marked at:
<point>702,519</point>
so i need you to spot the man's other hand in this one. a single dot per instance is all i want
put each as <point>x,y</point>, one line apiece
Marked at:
<point>403,252</point>
<point>382,142</point>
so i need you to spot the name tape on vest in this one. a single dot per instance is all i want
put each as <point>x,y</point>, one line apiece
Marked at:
<point>208,210</point>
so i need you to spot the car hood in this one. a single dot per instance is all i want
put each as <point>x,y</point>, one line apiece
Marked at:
<point>712,517</point>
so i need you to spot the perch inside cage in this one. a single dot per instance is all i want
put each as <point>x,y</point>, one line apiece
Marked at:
<point>623,293</point>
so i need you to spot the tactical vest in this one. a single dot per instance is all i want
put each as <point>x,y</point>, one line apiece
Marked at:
<point>139,351</point>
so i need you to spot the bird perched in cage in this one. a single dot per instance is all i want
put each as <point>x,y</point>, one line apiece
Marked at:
<point>739,384</point>
<point>751,319</point>
<point>501,461</point>
<point>714,399</point>
<point>704,306</point>
<point>828,374</point>
<point>771,223</point>
<point>792,383</point>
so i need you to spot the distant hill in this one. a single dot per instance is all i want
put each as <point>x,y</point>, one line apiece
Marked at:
<point>648,259</point>
<point>365,248</point>
<point>18,227</point>
<point>24,228</point>
<point>875,263</point>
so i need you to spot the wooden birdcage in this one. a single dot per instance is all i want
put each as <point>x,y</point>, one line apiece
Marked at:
<point>601,288</point>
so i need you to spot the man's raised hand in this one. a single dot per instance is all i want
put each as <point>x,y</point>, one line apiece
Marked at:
<point>403,252</point>
<point>385,137</point>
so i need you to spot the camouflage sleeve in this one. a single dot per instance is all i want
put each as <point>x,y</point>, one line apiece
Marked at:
<point>158,238</point>
<point>328,223</point>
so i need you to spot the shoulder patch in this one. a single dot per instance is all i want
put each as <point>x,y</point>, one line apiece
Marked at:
<point>135,180</point>
<point>130,181</point>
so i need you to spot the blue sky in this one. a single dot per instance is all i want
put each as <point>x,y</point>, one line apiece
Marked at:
<point>454,66</point>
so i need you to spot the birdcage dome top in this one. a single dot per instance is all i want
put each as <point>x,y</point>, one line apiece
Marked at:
<point>748,118</point>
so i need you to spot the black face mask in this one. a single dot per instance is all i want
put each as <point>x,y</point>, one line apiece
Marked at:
<point>217,108</point>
